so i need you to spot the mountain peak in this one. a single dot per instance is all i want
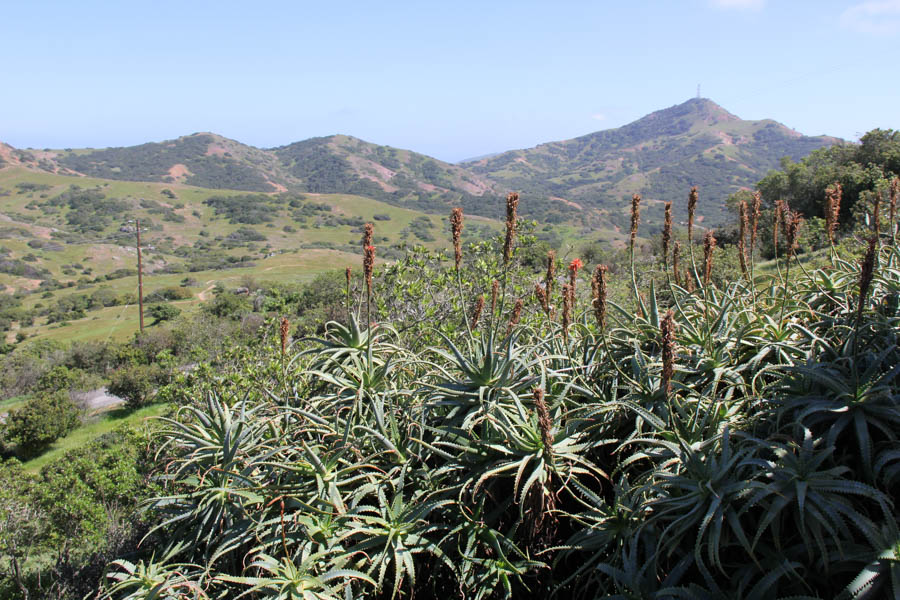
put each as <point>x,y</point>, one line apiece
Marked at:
<point>696,109</point>
<point>659,155</point>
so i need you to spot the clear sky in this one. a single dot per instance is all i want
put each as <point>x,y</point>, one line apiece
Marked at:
<point>452,79</point>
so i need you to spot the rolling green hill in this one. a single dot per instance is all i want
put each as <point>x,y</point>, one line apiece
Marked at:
<point>67,244</point>
<point>660,156</point>
<point>337,164</point>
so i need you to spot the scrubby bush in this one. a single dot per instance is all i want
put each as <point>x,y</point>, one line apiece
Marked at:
<point>41,421</point>
<point>228,304</point>
<point>136,383</point>
<point>63,378</point>
<point>162,312</point>
<point>62,526</point>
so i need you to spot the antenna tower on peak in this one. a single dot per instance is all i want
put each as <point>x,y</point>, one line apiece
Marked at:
<point>698,91</point>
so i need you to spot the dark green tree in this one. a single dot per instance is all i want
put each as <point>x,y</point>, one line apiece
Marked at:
<point>40,422</point>
<point>163,312</point>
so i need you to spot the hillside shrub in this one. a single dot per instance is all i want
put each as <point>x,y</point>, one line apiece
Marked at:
<point>162,312</point>
<point>169,293</point>
<point>136,383</point>
<point>62,526</point>
<point>41,421</point>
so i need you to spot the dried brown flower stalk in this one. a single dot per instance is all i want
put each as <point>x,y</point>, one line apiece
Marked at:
<point>833,195</point>
<point>793,222</point>
<point>476,312</point>
<point>598,292</point>
<point>550,279</point>
<point>742,248</point>
<point>456,225</point>
<point>635,218</point>
<point>541,295</point>
<point>709,244</point>
<point>368,230</point>
<point>284,330</point>
<point>667,335</point>
<point>495,291</point>
<point>692,208</point>
<point>838,195</point>
<point>515,316</point>
<point>368,267</point>
<point>541,500</point>
<point>876,213</point>
<point>512,206</point>
<point>689,281</point>
<point>347,274</point>
<point>866,271</point>
<point>895,192</point>
<point>757,206</point>
<point>667,235</point>
<point>785,215</point>
<point>676,258</point>
<point>567,311</point>
<point>545,423</point>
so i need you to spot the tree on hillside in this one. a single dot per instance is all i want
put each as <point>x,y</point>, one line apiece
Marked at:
<point>858,168</point>
<point>40,422</point>
<point>163,312</point>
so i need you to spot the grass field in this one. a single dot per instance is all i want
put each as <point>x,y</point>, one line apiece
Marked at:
<point>121,322</point>
<point>95,426</point>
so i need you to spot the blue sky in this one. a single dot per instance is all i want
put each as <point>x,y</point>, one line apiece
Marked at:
<point>450,79</point>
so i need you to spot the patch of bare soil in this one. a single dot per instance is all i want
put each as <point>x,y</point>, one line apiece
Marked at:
<point>178,172</point>
<point>365,168</point>
<point>278,187</point>
<point>215,149</point>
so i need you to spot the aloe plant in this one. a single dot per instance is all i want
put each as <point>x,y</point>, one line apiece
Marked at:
<point>749,454</point>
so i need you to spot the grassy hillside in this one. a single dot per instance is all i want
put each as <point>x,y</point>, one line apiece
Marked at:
<point>68,258</point>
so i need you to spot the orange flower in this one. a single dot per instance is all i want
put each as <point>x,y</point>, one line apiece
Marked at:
<point>575,265</point>
<point>573,279</point>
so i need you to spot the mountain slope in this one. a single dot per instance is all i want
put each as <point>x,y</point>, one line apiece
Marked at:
<point>335,164</point>
<point>344,164</point>
<point>660,156</point>
<point>580,181</point>
<point>202,159</point>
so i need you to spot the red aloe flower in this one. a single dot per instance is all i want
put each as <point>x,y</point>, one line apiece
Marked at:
<point>575,265</point>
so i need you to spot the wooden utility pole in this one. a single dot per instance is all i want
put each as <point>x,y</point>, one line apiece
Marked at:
<point>137,227</point>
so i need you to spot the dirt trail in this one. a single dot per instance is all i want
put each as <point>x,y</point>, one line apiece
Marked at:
<point>92,401</point>
<point>204,295</point>
<point>283,266</point>
<point>99,399</point>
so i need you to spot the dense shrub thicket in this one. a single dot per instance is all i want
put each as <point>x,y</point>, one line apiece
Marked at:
<point>704,440</point>
<point>62,526</point>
